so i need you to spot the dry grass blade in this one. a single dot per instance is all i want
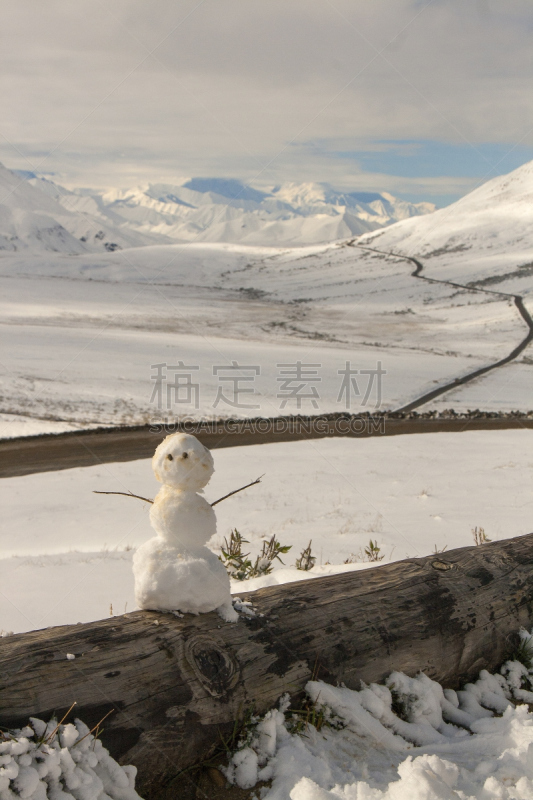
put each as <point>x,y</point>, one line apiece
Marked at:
<point>49,739</point>
<point>479,536</point>
<point>96,728</point>
<point>307,560</point>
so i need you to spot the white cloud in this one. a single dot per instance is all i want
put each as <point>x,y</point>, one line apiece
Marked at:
<point>128,90</point>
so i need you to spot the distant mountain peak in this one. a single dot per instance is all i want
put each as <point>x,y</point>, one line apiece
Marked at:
<point>225,187</point>
<point>369,197</point>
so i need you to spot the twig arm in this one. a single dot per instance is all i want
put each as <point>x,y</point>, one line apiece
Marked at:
<point>127,494</point>
<point>220,499</point>
<point>147,499</point>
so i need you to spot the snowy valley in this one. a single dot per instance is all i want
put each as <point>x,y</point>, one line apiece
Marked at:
<point>85,326</point>
<point>84,332</point>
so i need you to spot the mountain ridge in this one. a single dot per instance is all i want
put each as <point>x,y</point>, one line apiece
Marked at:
<point>221,210</point>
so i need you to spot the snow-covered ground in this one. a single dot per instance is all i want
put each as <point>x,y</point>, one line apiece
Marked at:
<point>82,334</point>
<point>47,759</point>
<point>410,739</point>
<point>67,552</point>
<point>505,389</point>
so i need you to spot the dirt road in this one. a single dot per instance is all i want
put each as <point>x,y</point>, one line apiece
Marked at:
<point>87,448</point>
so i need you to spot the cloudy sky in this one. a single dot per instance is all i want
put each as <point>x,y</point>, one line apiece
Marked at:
<point>423,98</point>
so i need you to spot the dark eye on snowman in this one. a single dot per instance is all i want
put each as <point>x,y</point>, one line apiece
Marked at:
<point>185,455</point>
<point>170,457</point>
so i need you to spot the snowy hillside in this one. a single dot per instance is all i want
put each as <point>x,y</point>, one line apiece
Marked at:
<point>488,228</point>
<point>31,221</point>
<point>39,221</point>
<point>223,210</point>
<point>104,320</point>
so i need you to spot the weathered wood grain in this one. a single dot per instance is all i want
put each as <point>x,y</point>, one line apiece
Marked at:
<point>174,683</point>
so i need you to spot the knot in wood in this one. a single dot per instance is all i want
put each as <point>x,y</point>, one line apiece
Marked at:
<point>441,565</point>
<point>214,667</point>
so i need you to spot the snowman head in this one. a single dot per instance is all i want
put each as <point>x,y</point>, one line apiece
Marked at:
<point>183,462</point>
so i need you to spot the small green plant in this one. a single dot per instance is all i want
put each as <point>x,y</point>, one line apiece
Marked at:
<point>236,562</point>
<point>271,551</point>
<point>307,712</point>
<point>480,537</point>
<point>307,560</point>
<point>373,552</point>
<point>524,651</point>
<point>299,719</point>
<point>239,565</point>
<point>241,733</point>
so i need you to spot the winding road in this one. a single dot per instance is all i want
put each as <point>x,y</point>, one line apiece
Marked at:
<point>516,351</point>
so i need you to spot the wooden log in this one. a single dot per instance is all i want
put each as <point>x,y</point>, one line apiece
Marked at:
<point>177,683</point>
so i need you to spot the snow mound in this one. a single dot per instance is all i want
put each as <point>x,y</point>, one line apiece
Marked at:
<point>409,739</point>
<point>61,762</point>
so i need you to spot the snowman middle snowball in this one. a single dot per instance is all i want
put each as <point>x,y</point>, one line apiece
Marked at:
<point>175,571</point>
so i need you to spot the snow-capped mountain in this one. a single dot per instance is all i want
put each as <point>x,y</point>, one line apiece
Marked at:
<point>226,210</point>
<point>216,210</point>
<point>369,206</point>
<point>38,218</point>
<point>30,220</point>
<point>494,223</point>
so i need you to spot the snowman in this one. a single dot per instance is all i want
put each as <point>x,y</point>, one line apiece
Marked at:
<point>175,571</point>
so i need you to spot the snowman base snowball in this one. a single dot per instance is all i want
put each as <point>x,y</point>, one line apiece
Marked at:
<point>169,580</point>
